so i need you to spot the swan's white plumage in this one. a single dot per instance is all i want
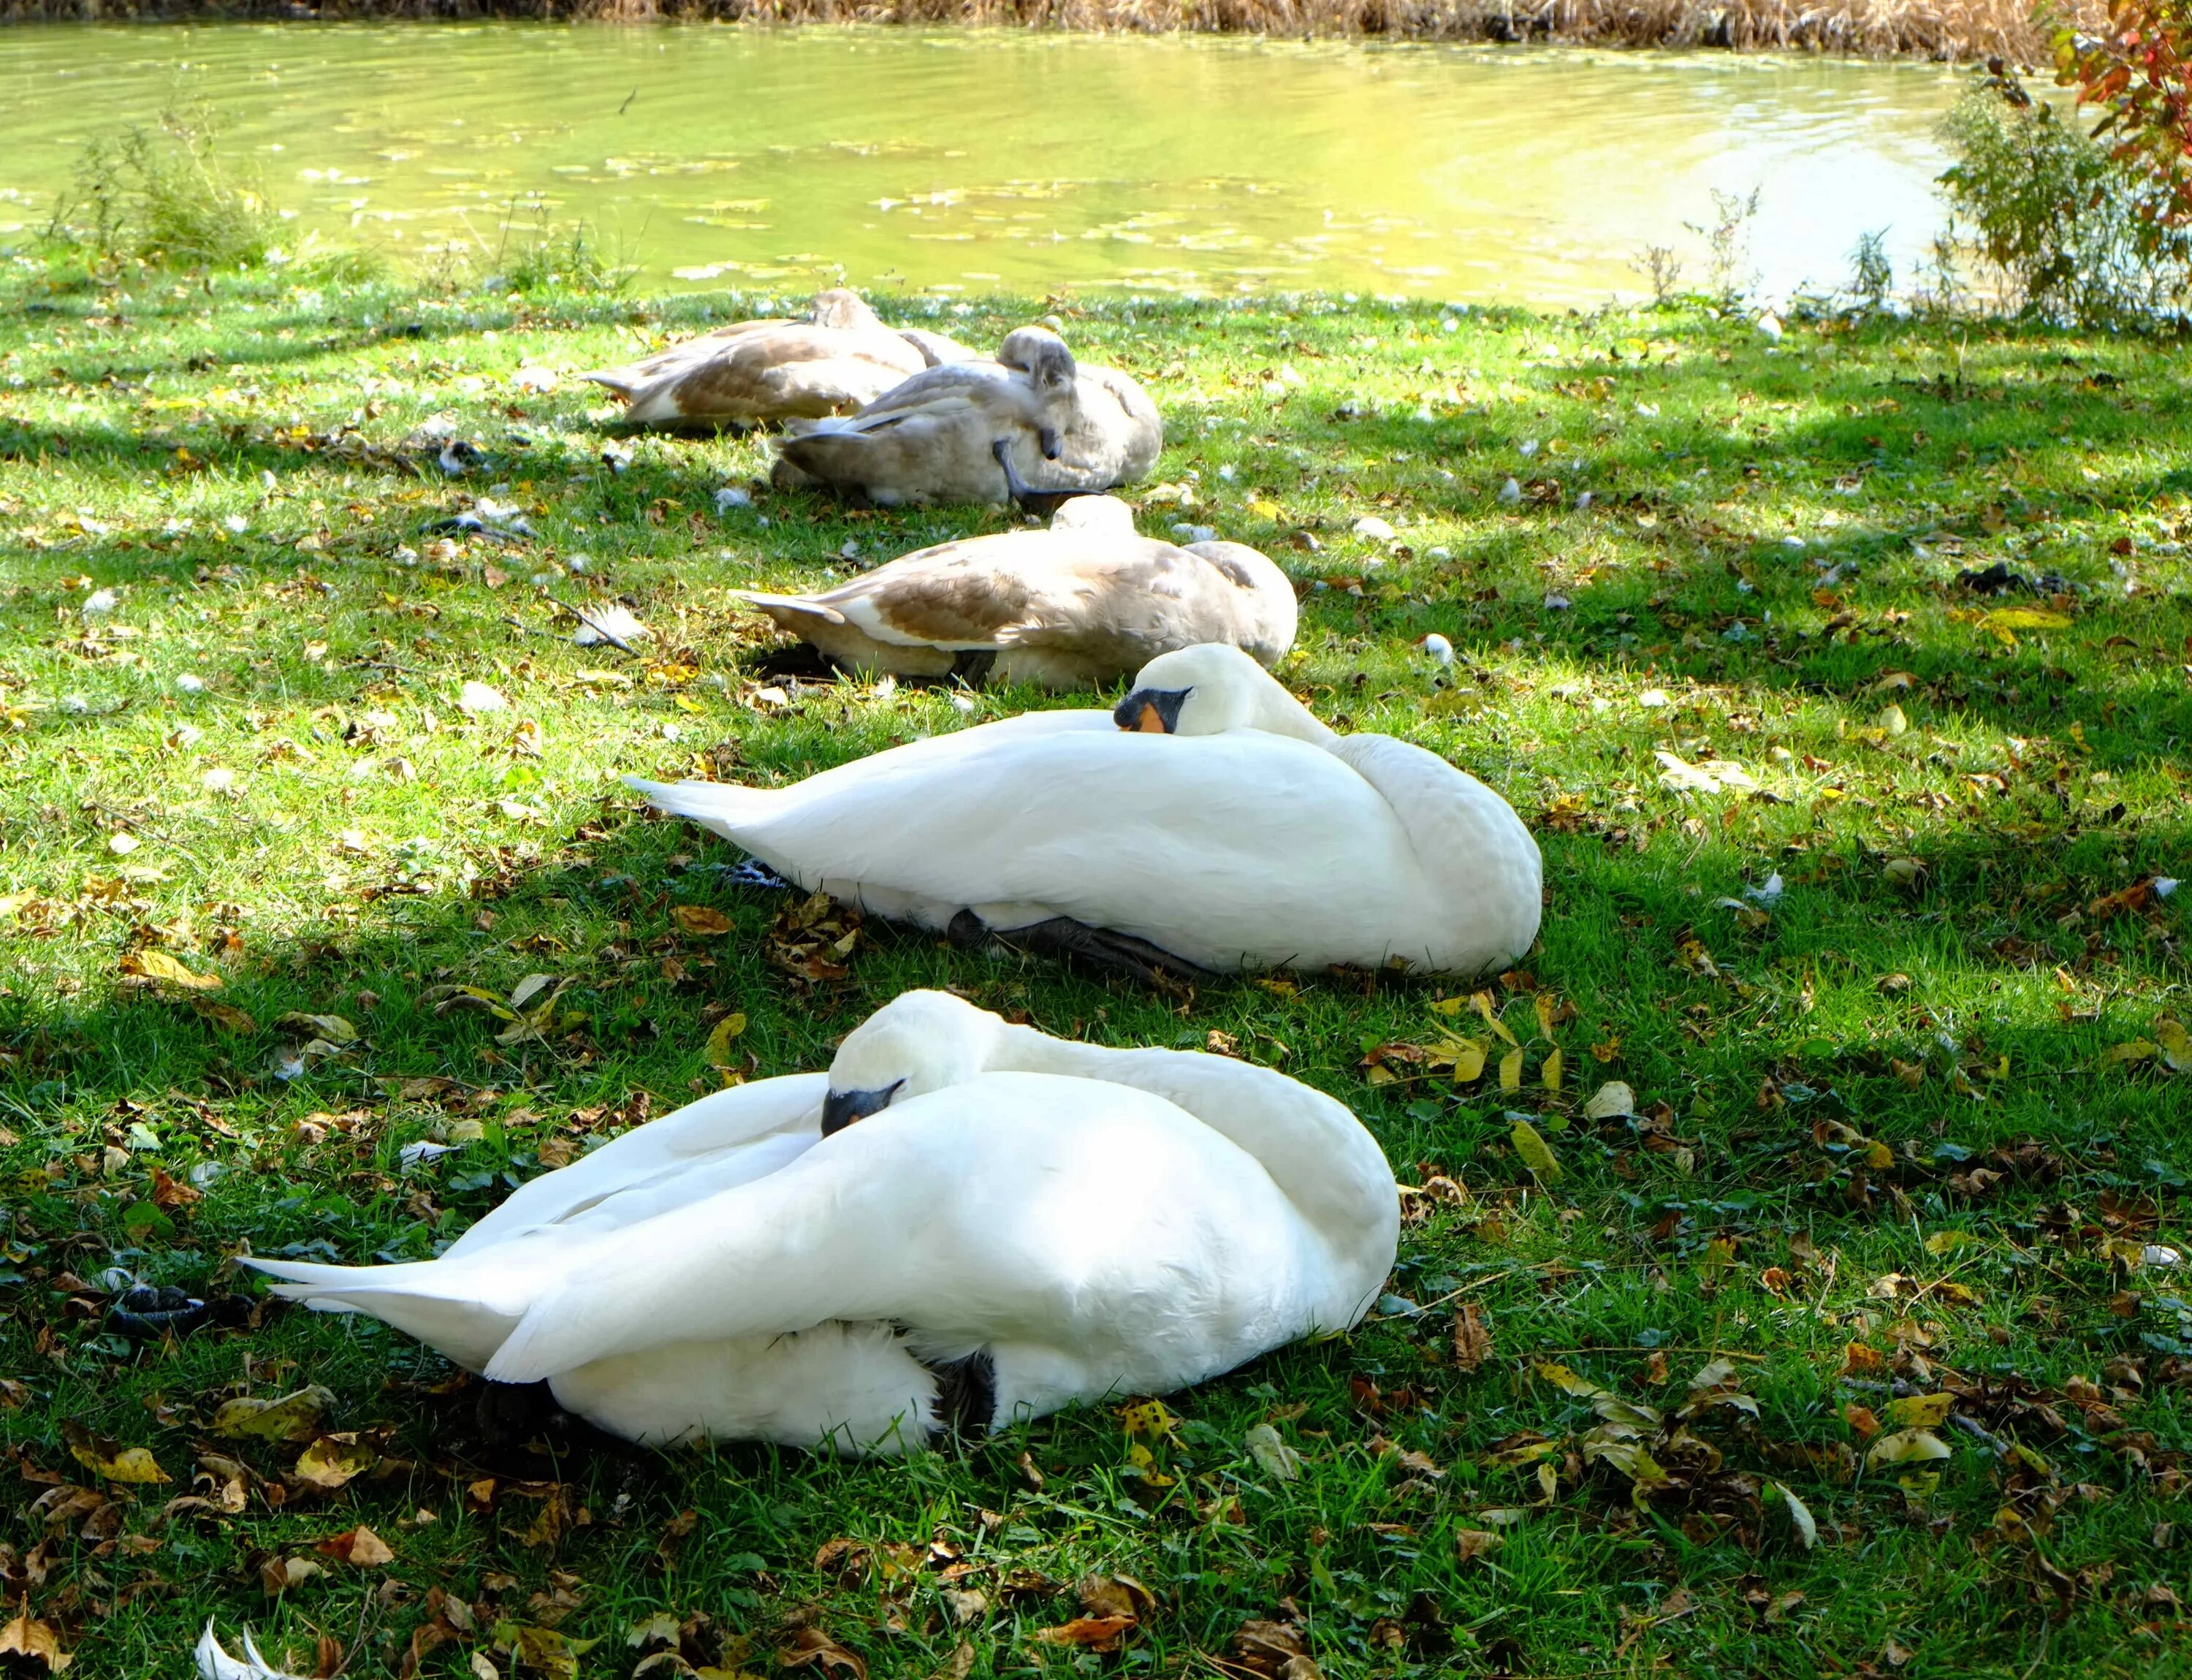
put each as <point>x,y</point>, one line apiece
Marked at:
<point>1264,840</point>
<point>1096,1222</point>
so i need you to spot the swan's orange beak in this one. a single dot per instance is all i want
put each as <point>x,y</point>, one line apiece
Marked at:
<point>1150,712</point>
<point>1148,724</point>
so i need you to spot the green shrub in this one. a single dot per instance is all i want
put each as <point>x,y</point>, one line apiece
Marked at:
<point>2067,228</point>
<point>164,195</point>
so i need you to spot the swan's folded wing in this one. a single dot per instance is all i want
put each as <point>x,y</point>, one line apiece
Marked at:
<point>712,1130</point>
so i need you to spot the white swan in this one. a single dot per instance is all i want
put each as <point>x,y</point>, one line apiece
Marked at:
<point>1086,601</point>
<point>752,372</point>
<point>1028,427</point>
<point>1016,1223</point>
<point>1210,816</point>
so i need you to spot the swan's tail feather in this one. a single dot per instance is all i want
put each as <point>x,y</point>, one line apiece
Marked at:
<point>721,807</point>
<point>781,607</point>
<point>623,381</point>
<point>447,1312</point>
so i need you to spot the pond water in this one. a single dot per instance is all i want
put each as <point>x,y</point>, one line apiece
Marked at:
<point>987,160</point>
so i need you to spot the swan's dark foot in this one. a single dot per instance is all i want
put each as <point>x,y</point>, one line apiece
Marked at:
<point>972,666</point>
<point>1102,948</point>
<point>966,930</point>
<point>1042,502</point>
<point>966,1398</point>
<point>510,1413</point>
<point>753,872</point>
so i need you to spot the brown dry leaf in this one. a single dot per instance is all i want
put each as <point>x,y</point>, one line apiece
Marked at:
<point>359,1545</point>
<point>1474,1543</point>
<point>805,1647</point>
<point>293,1417</point>
<point>157,965</point>
<point>961,1664</point>
<point>34,1642</point>
<point>276,1575</point>
<point>1115,1595</point>
<point>109,1458</point>
<point>1274,1650</point>
<point>1088,1633</point>
<point>1472,1337</point>
<point>333,1460</point>
<point>1861,1420</point>
<point>701,919</point>
<point>226,1016</point>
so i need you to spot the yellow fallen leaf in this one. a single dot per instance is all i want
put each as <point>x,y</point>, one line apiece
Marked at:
<point>34,1642</point>
<point>157,965</point>
<point>1482,1001</point>
<point>293,1417</point>
<point>2175,1043</point>
<point>1550,1072</point>
<point>1878,1155</point>
<point>333,1460</point>
<point>1467,1059</point>
<point>1510,1070</point>
<point>1544,1005</point>
<point>1919,1411</point>
<point>718,1053</point>
<point>2025,618</point>
<point>1147,1417</point>
<point>332,1028</point>
<point>1907,1446</point>
<point>110,1460</point>
<point>1611,1101</point>
<point>1530,1144</point>
<point>2138,1049</point>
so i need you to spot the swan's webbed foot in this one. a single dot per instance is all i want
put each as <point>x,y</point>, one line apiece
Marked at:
<point>753,872</point>
<point>966,1398</point>
<point>510,1413</point>
<point>1102,948</point>
<point>1042,502</point>
<point>972,666</point>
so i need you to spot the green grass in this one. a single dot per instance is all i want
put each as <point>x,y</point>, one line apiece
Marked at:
<point>1889,1114</point>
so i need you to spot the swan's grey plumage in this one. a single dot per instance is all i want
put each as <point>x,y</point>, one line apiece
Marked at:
<point>935,439</point>
<point>1085,602</point>
<point>1244,834</point>
<point>1083,1221</point>
<point>753,372</point>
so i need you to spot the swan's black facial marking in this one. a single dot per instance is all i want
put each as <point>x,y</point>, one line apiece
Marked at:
<point>840,1108</point>
<point>1150,712</point>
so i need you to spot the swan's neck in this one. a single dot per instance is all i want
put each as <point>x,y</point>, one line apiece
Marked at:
<point>1279,713</point>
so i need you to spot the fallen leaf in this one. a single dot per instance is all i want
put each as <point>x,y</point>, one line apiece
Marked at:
<point>1150,1417</point>
<point>1473,1543</point>
<point>2024,618</point>
<point>1472,1337</point>
<point>1611,1101</point>
<point>1089,1633</point>
<point>359,1545</point>
<point>811,1646</point>
<point>1919,1411</point>
<point>157,965</point>
<point>110,1458</point>
<point>1801,1521</point>
<point>1530,1144</point>
<point>1510,1070</point>
<point>293,1417</point>
<point>226,1016</point>
<point>542,1649</point>
<point>1276,1457</point>
<point>276,1575</point>
<point>1718,776</point>
<point>2175,1043</point>
<point>478,699</point>
<point>332,1028</point>
<point>718,1052</point>
<point>34,1642</point>
<point>701,919</point>
<point>333,1460</point>
<point>1907,1446</point>
<point>1115,1596</point>
<point>1550,1073</point>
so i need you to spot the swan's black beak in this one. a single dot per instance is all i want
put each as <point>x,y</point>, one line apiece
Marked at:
<point>1047,437</point>
<point>1150,712</point>
<point>1042,502</point>
<point>840,1108</point>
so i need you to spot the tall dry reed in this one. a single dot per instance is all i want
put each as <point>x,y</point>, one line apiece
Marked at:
<point>1930,29</point>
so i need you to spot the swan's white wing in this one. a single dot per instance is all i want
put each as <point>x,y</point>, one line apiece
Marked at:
<point>1218,848</point>
<point>1011,1206</point>
<point>723,1139</point>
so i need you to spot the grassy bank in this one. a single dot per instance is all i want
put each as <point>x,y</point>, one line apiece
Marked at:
<point>1851,868</point>
<point>1969,30</point>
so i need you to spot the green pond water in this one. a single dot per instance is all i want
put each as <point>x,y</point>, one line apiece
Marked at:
<point>983,160</point>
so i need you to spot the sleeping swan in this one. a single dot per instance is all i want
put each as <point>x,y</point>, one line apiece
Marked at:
<point>753,372</point>
<point>1086,601</point>
<point>963,1223</point>
<point>1210,818</point>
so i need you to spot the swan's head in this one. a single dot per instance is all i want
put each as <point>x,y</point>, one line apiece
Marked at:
<point>843,309</point>
<point>1042,355</point>
<point>1203,690</point>
<point>918,1042</point>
